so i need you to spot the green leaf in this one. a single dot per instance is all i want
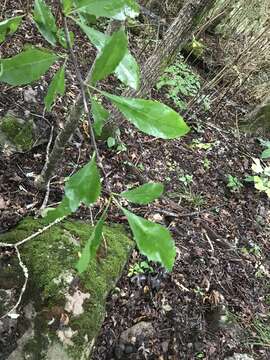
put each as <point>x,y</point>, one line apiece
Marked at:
<point>61,36</point>
<point>100,116</point>
<point>116,9</point>
<point>265,154</point>
<point>27,66</point>
<point>144,194</point>
<point>84,186</point>
<point>63,209</point>
<point>128,70</point>
<point>110,56</point>
<point>153,240</point>
<point>66,6</point>
<point>57,86</point>
<point>91,247</point>
<point>45,21</point>
<point>151,117</point>
<point>9,26</point>
<point>111,142</point>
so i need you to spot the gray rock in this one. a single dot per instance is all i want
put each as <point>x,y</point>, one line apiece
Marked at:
<point>141,330</point>
<point>237,356</point>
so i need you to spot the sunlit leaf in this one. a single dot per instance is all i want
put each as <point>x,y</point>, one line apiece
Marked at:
<point>151,117</point>
<point>257,166</point>
<point>116,9</point>
<point>27,66</point>
<point>128,70</point>
<point>265,154</point>
<point>9,26</point>
<point>144,194</point>
<point>153,240</point>
<point>57,86</point>
<point>45,21</point>
<point>110,56</point>
<point>100,116</point>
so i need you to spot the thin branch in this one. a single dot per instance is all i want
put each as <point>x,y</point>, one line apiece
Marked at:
<point>39,232</point>
<point>82,88</point>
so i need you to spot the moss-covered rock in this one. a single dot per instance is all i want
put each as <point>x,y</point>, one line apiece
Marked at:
<point>68,309</point>
<point>16,134</point>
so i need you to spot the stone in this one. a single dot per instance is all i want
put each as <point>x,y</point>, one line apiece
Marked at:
<point>61,312</point>
<point>139,331</point>
<point>16,134</point>
<point>20,135</point>
<point>238,356</point>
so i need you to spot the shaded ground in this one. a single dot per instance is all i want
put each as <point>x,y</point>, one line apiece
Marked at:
<point>216,300</point>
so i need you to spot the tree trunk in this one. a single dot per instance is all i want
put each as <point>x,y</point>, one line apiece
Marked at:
<point>177,35</point>
<point>258,121</point>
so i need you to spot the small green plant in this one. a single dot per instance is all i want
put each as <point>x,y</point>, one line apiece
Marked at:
<point>260,177</point>
<point>266,152</point>
<point>186,179</point>
<point>180,82</point>
<point>260,330</point>
<point>195,47</point>
<point>197,144</point>
<point>206,163</point>
<point>139,268</point>
<point>233,183</point>
<point>151,117</point>
<point>253,248</point>
<point>186,192</point>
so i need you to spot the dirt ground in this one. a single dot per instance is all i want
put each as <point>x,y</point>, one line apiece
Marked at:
<point>216,300</point>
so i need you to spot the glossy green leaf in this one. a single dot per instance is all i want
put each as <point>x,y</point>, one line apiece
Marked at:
<point>57,86</point>
<point>116,9</point>
<point>266,154</point>
<point>110,56</point>
<point>100,116</point>
<point>144,194</point>
<point>9,26</point>
<point>27,66</point>
<point>84,186</point>
<point>151,117</point>
<point>45,21</point>
<point>153,240</point>
<point>97,38</point>
<point>128,70</point>
<point>91,247</point>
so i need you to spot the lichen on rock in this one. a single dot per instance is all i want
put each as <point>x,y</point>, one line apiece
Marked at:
<point>54,286</point>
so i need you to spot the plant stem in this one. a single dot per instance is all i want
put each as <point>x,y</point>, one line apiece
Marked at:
<point>82,87</point>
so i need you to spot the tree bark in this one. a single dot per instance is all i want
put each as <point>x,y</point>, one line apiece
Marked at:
<point>258,121</point>
<point>176,36</point>
<point>181,29</point>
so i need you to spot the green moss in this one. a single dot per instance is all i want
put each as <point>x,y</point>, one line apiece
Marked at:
<point>18,132</point>
<point>54,253</point>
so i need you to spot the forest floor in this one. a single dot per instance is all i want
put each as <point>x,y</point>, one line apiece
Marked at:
<point>216,300</point>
